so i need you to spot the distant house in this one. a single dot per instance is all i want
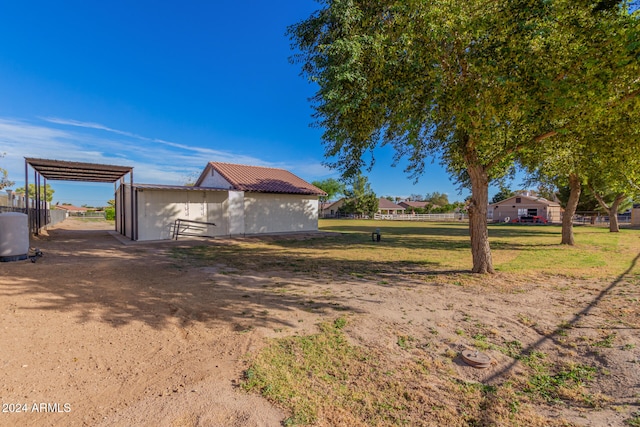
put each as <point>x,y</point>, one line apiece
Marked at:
<point>635,214</point>
<point>411,206</point>
<point>238,199</point>
<point>330,209</point>
<point>520,206</point>
<point>71,210</point>
<point>387,207</point>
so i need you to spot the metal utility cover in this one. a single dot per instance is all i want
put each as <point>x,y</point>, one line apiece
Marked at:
<point>476,359</point>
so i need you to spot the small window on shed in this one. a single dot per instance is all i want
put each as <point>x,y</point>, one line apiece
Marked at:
<point>518,200</point>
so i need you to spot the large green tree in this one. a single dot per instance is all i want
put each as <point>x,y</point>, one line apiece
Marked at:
<point>360,199</point>
<point>473,82</point>
<point>613,176</point>
<point>593,141</point>
<point>436,198</point>
<point>503,193</point>
<point>332,187</point>
<point>561,165</point>
<point>45,193</point>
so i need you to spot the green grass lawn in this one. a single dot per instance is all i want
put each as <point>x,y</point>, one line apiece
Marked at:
<point>523,249</point>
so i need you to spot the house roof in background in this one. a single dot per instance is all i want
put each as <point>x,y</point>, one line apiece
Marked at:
<point>530,199</point>
<point>413,204</point>
<point>60,170</point>
<point>71,208</point>
<point>261,179</point>
<point>388,204</point>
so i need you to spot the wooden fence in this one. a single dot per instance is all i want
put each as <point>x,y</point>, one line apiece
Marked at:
<point>444,217</point>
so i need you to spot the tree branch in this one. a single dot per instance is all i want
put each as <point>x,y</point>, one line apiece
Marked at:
<point>628,96</point>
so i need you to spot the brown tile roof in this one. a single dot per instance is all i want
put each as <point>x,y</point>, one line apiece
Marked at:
<point>413,204</point>
<point>537,199</point>
<point>388,204</point>
<point>264,180</point>
<point>329,204</point>
<point>70,208</point>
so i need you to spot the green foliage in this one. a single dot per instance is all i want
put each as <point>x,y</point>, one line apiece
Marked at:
<point>549,386</point>
<point>606,342</point>
<point>110,214</point>
<point>4,177</point>
<point>279,371</point>
<point>32,191</point>
<point>633,421</point>
<point>331,186</point>
<point>360,198</point>
<point>436,198</point>
<point>586,203</point>
<point>475,83</point>
<point>503,194</point>
<point>600,147</point>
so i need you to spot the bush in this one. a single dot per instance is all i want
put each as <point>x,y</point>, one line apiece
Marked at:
<point>110,214</point>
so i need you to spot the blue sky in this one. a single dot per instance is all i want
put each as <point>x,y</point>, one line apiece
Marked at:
<point>164,87</point>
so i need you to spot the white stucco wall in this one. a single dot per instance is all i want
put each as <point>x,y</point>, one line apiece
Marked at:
<point>233,212</point>
<point>158,210</point>
<point>635,216</point>
<point>277,213</point>
<point>236,213</point>
<point>213,179</point>
<point>499,211</point>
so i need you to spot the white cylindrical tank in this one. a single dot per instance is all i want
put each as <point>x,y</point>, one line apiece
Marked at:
<point>14,236</point>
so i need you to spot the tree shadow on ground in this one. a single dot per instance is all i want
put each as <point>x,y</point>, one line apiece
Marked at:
<point>446,229</point>
<point>95,277</point>
<point>555,337</point>
<point>404,242</point>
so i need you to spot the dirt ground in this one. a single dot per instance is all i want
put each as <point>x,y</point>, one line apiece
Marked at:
<point>101,333</point>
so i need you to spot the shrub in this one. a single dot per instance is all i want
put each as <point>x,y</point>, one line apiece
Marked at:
<point>110,214</point>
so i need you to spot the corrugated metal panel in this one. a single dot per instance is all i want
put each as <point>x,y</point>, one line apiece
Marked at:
<point>263,179</point>
<point>59,170</point>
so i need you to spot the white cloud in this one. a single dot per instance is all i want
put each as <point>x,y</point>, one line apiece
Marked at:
<point>88,125</point>
<point>210,154</point>
<point>154,160</point>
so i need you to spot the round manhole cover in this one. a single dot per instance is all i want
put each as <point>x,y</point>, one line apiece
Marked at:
<point>476,359</point>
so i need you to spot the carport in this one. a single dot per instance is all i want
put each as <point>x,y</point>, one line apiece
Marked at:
<point>60,170</point>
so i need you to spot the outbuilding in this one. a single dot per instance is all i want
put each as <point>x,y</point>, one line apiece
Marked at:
<point>226,200</point>
<point>635,214</point>
<point>519,206</point>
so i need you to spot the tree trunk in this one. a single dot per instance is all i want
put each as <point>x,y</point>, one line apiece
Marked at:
<point>570,210</point>
<point>612,210</point>
<point>480,250</point>
<point>614,227</point>
<point>613,215</point>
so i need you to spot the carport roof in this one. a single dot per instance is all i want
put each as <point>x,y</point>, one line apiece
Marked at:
<point>60,170</point>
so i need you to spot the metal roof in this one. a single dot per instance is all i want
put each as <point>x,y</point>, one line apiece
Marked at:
<point>261,179</point>
<point>59,170</point>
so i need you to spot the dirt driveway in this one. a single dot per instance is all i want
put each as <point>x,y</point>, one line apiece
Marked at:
<point>102,333</point>
<point>99,333</point>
